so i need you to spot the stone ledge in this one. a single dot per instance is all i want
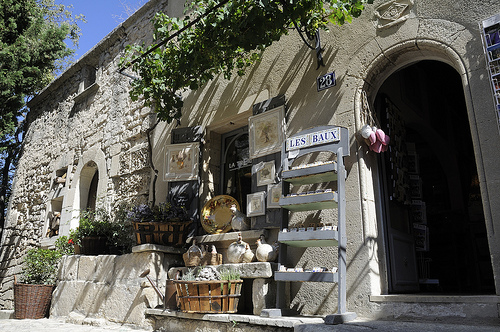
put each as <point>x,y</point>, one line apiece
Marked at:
<point>247,270</point>
<point>6,314</point>
<point>231,236</point>
<point>157,247</point>
<point>288,322</point>
<point>91,89</point>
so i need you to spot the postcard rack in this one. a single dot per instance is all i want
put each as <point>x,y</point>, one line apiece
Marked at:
<point>335,140</point>
<point>490,31</point>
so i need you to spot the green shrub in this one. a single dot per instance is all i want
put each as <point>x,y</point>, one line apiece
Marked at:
<point>41,266</point>
<point>118,230</point>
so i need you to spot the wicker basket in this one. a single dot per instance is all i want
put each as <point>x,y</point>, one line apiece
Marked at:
<point>32,301</point>
<point>192,258</point>
<point>211,259</point>
<point>216,296</point>
<point>170,233</point>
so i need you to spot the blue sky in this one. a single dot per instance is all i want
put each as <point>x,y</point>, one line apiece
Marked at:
<point>102,17</point>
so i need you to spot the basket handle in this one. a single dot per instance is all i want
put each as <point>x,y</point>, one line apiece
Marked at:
<point>15,279</point>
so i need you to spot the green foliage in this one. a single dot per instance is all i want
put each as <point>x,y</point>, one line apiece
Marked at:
<point>41,266</point>
<point>220,38</point>
<point>229,274</point>
<point>190,275</point>
<point>118,229</point>
<point>121,232</point>
<point>32,34</point>
<point>94,223</point>
<point>65,245</point>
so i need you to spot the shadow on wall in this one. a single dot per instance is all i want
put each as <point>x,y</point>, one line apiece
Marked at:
<point>110,287</point>
<point>328,292</point>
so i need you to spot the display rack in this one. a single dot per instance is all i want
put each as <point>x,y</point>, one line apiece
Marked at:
<point>335,140</point>
<point>490,31</point>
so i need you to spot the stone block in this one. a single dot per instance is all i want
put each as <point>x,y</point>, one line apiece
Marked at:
<point>131,266</point>
<point>64,297</point>
<point>114,310</point>
<point>263,295</point>
<point>105,267</point>
<point>69,268</point>
<point>86,267</point>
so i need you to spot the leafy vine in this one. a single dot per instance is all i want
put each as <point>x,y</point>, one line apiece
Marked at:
<point>215,38</point>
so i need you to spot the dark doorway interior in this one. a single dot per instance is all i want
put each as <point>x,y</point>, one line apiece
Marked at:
<point>92,195</point>
<point>236,166</point>
<point>431,187</point>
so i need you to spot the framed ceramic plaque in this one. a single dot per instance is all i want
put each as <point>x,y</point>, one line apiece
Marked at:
<point>181,162</point>
<point>266,132</point>
<point>273,196</point>
<point>256,204</point>
<point>266,172</point>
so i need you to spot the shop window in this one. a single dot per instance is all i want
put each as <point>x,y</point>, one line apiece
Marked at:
<point>236,166</point>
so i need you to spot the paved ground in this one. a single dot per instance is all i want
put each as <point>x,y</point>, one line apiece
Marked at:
<point>54,325</point>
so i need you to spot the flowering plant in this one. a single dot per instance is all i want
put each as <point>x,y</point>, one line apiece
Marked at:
<point>140,213</point>
<point>162,212</point>
<point>65,245</point>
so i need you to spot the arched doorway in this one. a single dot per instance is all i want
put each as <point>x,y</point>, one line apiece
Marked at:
<point>432,208</point>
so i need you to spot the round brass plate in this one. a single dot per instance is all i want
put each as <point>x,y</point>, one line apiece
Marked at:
<point>216,215</point>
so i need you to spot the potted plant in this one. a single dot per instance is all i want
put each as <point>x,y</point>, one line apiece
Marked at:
<point>39,273</point>
<point>65,245</point>
<point>164,224</point>
<point>206,290</point>
<point>99,234</point>
<point>120,237</point>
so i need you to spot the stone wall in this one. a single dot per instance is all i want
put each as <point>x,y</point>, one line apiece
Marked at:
<point>98,289</point>
<point>77,127</point>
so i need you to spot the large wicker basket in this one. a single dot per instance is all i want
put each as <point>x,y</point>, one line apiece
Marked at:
<point>215,296</point>
<point>32,301</point>
<point>171,233</point>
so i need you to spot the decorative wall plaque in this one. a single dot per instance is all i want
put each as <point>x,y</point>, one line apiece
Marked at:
<point>393,12</point>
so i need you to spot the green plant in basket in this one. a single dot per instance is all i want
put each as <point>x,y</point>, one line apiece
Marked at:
<point>121,231</point>
<point>41,266</point>
<point>116,229</point>
<point>229,274</point>
<point>94,223</point>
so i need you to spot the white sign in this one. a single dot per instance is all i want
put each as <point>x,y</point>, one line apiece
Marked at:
<point>315,138</point>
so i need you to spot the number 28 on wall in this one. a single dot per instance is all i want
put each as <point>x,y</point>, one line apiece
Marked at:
<point>326,81</point>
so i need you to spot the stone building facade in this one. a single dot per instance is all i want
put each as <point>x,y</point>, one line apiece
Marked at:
<point>421,66</point>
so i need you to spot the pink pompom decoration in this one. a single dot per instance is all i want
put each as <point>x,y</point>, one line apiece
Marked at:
<point>380,135</point>
<point>373,137</point>
<point>376,147</point>
<point>386,140</point>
